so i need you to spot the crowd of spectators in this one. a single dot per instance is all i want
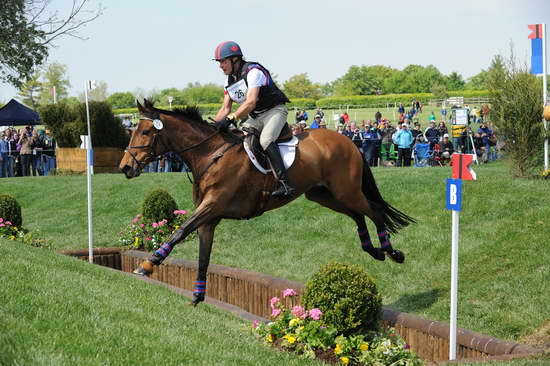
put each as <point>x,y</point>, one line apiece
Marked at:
<point>26,152</point>
<point>381,142</point>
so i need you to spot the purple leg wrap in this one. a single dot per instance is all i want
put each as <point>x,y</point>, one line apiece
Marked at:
<point>164,250</point>
<point>384,238</point>
<point>199,287</point>
<point>365,238</point>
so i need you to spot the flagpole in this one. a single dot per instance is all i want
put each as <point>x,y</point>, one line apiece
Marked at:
<point>544,92</point>
<point>89,162</point>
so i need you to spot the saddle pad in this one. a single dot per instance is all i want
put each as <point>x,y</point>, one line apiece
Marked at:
<point>288,153</point>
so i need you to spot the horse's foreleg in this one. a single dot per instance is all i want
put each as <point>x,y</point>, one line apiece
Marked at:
<point>206,237</point>
<point>201,215</point>
<point>385,243</point>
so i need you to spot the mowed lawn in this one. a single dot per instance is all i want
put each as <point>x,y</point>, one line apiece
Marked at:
<point>57,310</point>
<point>505,230</point>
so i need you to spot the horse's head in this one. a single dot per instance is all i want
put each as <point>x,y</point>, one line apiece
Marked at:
<point>145,144</point>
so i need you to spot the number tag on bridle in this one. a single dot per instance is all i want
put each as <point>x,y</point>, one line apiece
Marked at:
<point>158,124</point>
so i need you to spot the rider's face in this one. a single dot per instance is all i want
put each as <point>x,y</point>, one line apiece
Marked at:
<point>226,66</point>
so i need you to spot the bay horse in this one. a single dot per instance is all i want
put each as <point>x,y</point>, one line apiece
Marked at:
<point>328,169</point>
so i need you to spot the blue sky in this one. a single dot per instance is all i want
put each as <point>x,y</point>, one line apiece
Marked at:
<point>150,45</point>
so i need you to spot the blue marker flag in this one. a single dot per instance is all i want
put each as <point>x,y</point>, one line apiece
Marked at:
<point>454,194</point>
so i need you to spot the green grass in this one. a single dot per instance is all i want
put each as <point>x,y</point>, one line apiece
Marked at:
<point>504,259</point>
<point>56,310</point>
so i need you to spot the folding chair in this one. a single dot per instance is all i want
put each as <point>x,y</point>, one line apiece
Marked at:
<point>422,154</point>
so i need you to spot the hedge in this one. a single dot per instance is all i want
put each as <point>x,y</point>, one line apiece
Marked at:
<point>358,101</point>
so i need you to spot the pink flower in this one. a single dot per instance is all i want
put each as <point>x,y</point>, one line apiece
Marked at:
<point>8,222</point>
<point>141,225</point>
<point>298,312</point>
<point>148,238</point>
<point>162,223</point>
<point>1,225</point>
<point>275,313</point>
<point>1,219</point>
<point>407,346</point>
<point>155,224</point>
<point>255,324</point>
<point>180,212</point>
<point>289,292</point>
<point>135,220</point>
<point>315,314</point>
<point>274,301</point>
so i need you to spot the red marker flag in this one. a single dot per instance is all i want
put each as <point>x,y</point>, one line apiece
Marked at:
<point>536,30</point>
<point>461,166</point>
<point>536,38</point>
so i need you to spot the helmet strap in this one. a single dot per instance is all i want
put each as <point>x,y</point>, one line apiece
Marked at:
<point>234,62</point>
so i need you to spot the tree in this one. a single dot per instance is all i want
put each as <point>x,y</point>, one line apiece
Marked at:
<point>299,86</point>
<point>30,90</point>
<point>454,81</point>
<point>195,93</point>
<point>439,91</point>
<point>414,79</point>
<point>362,80</point>
<point>477,82</point>
<point>54,76</point>
<point>516,97</point>
<point>122,100</point>
<point>28,29</point>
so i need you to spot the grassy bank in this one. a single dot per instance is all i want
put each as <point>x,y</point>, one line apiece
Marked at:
<point>504,262</point>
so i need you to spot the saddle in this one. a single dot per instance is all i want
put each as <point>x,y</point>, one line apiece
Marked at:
<point>252,142</point>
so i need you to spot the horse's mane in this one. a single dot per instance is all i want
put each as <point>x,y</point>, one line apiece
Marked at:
<point>188,112</point>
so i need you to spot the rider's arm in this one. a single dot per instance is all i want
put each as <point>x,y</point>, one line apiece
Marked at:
<point>249,104</point>
<point>225,109</point>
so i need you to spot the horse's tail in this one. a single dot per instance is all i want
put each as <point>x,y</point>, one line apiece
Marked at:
<point>393,218</point>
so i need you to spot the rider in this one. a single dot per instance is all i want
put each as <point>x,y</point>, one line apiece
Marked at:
<point>251,85</point>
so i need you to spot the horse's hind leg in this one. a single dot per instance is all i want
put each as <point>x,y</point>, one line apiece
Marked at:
<point>359,203</point>
<point>324,197</point>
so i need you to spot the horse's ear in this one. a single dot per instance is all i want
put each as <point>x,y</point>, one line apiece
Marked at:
<point>147,103</point>
<point>139,106</point>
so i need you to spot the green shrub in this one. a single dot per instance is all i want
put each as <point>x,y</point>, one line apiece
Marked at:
<point>347,296</point>
<point>107,130</point>
<point>159,205</point>
<point>10,210</point>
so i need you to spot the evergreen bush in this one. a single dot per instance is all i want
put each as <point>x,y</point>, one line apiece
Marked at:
<point>347,296</point>
<point>10,210</point>
<point>159,205</point>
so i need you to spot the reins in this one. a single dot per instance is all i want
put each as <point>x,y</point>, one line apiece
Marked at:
<point>156,137</point>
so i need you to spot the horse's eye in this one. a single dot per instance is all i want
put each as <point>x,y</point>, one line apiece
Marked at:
<point>145,132</point>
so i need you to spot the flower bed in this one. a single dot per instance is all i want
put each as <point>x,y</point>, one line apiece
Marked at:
<point>12,232</point>
<point>303,331</point>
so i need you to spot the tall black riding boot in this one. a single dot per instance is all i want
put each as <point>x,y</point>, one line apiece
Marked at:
<point>278,166</point>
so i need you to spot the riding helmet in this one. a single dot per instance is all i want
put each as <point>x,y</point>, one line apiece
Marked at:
<point>227,49</point>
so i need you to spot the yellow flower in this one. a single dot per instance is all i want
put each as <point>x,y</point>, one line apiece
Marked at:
<point>269,338</point>
<point>344,360</point>
<point>136,241</point>
<point>293,322</point>
<point>338,349</point>
<point>290,338</point>
<point>299,329</point>
<point>12,237</point>
<point>364,346</point>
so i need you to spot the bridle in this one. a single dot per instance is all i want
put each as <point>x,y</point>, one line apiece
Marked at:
<point>151,153</point>
<point>151,146</point>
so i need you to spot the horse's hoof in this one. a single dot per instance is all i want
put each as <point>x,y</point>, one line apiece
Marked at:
<point>145,269</point>
<point>376,253</point>
<point>397,256</point>
<point>197,298</point>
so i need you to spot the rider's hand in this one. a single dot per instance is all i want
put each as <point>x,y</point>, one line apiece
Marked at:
<point>223,125</point>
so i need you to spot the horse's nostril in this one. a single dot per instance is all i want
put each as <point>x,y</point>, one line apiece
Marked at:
<point>125,169</point>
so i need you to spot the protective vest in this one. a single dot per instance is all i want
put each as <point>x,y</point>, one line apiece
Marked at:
<point>270,95</point>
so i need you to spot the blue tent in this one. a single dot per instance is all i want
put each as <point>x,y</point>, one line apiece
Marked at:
<point>16,114</point>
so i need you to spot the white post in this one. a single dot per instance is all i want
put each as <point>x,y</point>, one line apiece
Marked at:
<point>89,167</point>
<point>54,92</point>
<point>544,92</point>
<point>454,284</point>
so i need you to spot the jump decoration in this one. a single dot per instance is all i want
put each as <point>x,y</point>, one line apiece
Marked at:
<point>305,332</point>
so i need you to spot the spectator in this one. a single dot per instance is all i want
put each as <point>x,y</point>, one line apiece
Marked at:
<point>48,154</point>
<point>371,144</point>
<point>475,115</point>
<point>485,111</point>
<point>4,154</point>
<point>432,135</point>
<point>347,131</point>
<point>340,129</point>
<point>378,117</point>
<point>485,134</point>
<point>25,150</point>
<point>404,140</point>
<point>442,128</point>
<point>316,122</point>
<point>320,113</point>
<point>387,132</point>
<point>304,116</point>
<point>36,161</point>
<point>13,152</point>
<point>443,112</point>
<point>432,117</point>
<point>345,116</point>
<point>416,131</point>
<point>357,138</point>
<point>322,124</point>
<point>297,129</point>
<point>401,109</point>
<point>447,149</point>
